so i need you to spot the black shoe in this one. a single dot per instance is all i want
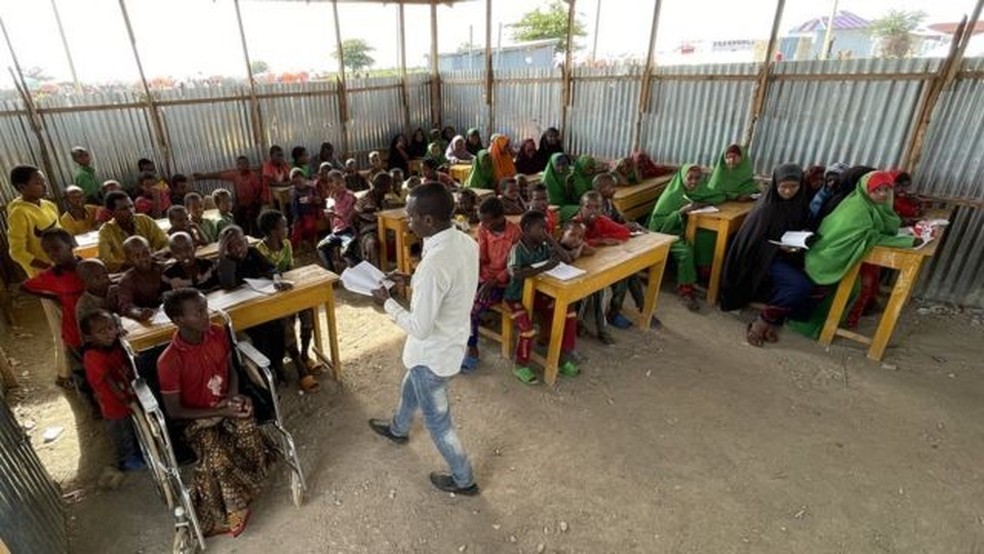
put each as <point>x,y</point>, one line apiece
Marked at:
<point>446,483</point>
<point>382,427</point>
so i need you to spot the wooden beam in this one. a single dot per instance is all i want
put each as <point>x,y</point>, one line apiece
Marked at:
<point>255,115</point>
<point>404,93</point>
<point>342,91</point>
<point>566,88</point>
<point>762,87</point>
<point>645,91</point>
<point>152,112</point>
<point>489,85</point>
<point>435,77</point>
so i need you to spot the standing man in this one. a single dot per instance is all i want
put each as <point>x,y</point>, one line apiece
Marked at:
<point>85,175</point>
<point>437,326</point>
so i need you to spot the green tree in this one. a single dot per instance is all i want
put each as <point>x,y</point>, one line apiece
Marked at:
<point>356,54</point>
<point>259,66</point>
<point>552,23</point>
<point>895,31</point>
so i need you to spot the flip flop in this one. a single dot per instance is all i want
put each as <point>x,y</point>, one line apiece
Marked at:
<point>525,375</point>
<point>309,383</point>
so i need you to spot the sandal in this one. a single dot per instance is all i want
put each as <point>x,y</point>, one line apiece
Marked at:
<point>755,334</point>
<point>309,383</point>
<point>314,367</point>
<point>568,369</point>
<point>526,375</point>
<point>237,522</point>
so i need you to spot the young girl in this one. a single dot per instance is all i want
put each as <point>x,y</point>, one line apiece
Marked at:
<point>306,207</point>
<point>526,158</point>
<point>418,144</point>
<point>277,250</point>
<point>502,158</point>
<point>457,153</point>
<point>473,141</point>
<point>436,154</point>
<point>480,176</point>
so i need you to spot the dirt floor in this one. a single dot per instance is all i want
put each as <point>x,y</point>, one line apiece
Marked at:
<point>680,440</point>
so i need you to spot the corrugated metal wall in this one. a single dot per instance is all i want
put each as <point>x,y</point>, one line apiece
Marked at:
<point>527,102</point>
<point>299,114</point>
<point>31,515</point>
<point>604,104</point>
<point>463,101</point>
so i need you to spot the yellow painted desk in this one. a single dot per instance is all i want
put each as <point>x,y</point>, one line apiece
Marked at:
<point>725,223</point>
<point>88,243</point>
<point>312,290</point>
<point>281,198</point>
<point>908,262</point>
<point>394,220</point>
<point>459,172</point>
<point>636,201</point>
<point>609,265</point>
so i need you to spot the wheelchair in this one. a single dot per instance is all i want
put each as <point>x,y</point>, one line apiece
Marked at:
<point>162,454</point>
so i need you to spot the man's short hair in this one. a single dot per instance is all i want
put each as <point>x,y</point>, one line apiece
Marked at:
<point>57,233</point>
<point>492,207</point>
<point>113,198</point>
<point>531,217</point>
<point>433,199</point>
<point>174,300</point>
<point>21,174</point>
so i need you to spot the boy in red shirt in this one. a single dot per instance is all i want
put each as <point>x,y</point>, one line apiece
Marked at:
<point>275,172</point>
<point>61,283</point>
<point>154,200</point>
<point>109,373</point>
<point>540,202</point>
<point>496,237</point>
<point>250,191</point>
<point>200,387</point>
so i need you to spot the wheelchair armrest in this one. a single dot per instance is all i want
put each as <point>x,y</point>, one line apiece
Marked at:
<point>145,396</point>
<point>253,355</point>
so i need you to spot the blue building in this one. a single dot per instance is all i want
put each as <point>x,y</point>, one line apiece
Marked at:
<point>525,55</point>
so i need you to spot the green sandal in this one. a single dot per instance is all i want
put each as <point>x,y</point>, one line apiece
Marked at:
<point>525,375</point>
<point>568,369</point>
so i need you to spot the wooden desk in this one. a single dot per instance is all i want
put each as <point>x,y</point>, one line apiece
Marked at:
<point>459,172</point>
<point>534,178</point>
<point>636,201</point>
<point>91,249</point>
<point>725,223</point>
<point>312,289</point>
<point>482,194</point>
<point>280,194</point>
<point>908,261</point>
<point>609,265</point>
<point>394,220</point>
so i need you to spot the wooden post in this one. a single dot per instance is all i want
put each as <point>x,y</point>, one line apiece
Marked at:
<point>435,77</point>
<point>405,97</point>
<point>33,117</point>
<point>762,87</point>
<point>645,91</point>
<point>943,80</point>
<point>155,116</point>
<point>342,93</point>
<point>256,116</point>
<point>567,92</point>
<point>489,85</point>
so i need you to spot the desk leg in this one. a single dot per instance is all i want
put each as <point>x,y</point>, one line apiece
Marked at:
<point>652,290</point>
<point>839,305</point>
<point>336,360</point>
<point>691,234</point>
<point>401,262</point>
<point>556,337</point>
<point>900,294</point>
<point>383,252</point>
<point>717,266</point>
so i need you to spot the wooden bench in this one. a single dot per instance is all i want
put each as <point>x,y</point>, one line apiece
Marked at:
<point>637,201</point>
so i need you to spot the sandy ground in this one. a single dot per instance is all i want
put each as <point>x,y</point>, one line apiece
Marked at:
<point>681,440</point>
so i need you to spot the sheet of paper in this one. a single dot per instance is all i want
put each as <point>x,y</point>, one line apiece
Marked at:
<point>223,300</point>
<point>563,272</point>
<point>364,278</point>
<point>160,318</point>
<point>264,286</point>
<point>706,210</point>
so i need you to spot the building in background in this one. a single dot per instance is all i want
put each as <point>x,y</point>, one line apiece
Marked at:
<point>524,55</point>
<point>851,38</point>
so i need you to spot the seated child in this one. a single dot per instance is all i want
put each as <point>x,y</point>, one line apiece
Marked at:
<point>540,202</point>
<point>907,205</point>
<point>223,203</point>
<point>181,223</point>
<point>512,200</point>
<point>277,250</point>
<point>496,237</point>
<point>104,214</point>
<point>109,373</point>
<point>412,183</point>
<point>354,181</point>
<point>336,247</point>
<point>366,210</point>
<point>466,207</point>
<point>429,172</point>
<point>196,209</point>
<point>79,217</point>
<point>306,207</point>
<point>153,200</point>
<point>535,246</point>
<point>100,293</point>
<point>200,388</point>
<point>141,286</point>
<point>300,157</point>
<point>376,165</point>
<point>572,239</point>
<point>398,196</point>
<point>524,187</point>
<point>187,270</point>
<point>179,189</point>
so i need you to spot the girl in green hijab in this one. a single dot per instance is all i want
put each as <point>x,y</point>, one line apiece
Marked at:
<point>436,153</point>
<point>556,177</point>
<point>686,192</point>
<point>733,177</point>
<point>565,189</point>
<point>480,176</point>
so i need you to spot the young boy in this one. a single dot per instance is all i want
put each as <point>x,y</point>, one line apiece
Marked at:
<point>376,165</point>
<point>306,207</point>
<point>354,181</point>
<point>398,196</point>
<point>153,200</point>
<point>336,246</point>
<point>299,155</point>
<point>275,172</point>
<point>366,209</point>
<point>250,193</point>
<point>187,270</point>
<point>79,217</point>
<point>512,201</point>
<point>496,238</point>
<point>100,293</point>
<point>223,203</point>
<point>524,187</point>
<point>196,209</point>
<point>142,286</point>
<point>466,207</point>
<point>102,214</point>
<point>536,246</point>
<point>61,283</point>
<point>179,188</point>
<point>181,223</point>
<point>109,373</point>
<point>572,239</point>
<point>540,202</point>
<point>85,175</point>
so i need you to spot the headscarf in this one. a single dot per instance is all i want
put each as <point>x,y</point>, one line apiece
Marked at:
<point>439,157</point>
<point>733,183</point>
<point>555,181</point>
<point>626,171</point>
<point>480,176</point>
<point>502,162</point>
<point>846,184</point>
<point>396,159</point>
<point>666,217</point>
<point>527,164</point>
<point>457,152</point>
<point>854,228</point>
<point>545,152</point>
<point>418,147</point>
<point>473,148</point>
<point>750,252</point>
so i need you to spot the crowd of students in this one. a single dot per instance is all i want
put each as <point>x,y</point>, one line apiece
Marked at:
<point>565,211</point>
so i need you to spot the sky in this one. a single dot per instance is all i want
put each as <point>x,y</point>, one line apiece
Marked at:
<point>200,38</point>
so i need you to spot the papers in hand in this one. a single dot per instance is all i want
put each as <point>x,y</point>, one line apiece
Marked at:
<point>706,210</point>
<point>364,278</point>
<point>563,272</point>
<point>794,239</point>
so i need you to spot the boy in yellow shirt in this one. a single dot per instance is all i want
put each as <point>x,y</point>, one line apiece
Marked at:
<point>80,217</point>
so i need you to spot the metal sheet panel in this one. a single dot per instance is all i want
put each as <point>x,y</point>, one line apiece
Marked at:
<point>301,114</point>
<point>527,103</point>
<point>956,273</point>
<point>375,114</point>
<point>418,96</point>
<point>463,100</point>
<point>601,119</point>
<point>19,145</point>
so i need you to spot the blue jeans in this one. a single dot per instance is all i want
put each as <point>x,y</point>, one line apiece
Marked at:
<point>423,389</point>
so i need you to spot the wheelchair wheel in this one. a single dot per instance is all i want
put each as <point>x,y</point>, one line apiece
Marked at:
<point>154,457</point>
<point>296,489</point>
<point>184,541</point>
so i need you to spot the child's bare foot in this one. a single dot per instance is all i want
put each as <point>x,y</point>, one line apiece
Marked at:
<point>757,332</point>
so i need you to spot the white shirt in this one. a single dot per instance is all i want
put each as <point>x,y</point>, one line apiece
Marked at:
<point>439,320</point>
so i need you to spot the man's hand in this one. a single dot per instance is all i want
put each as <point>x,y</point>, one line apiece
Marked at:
<point>400,279</point>
<point>380,296</point>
